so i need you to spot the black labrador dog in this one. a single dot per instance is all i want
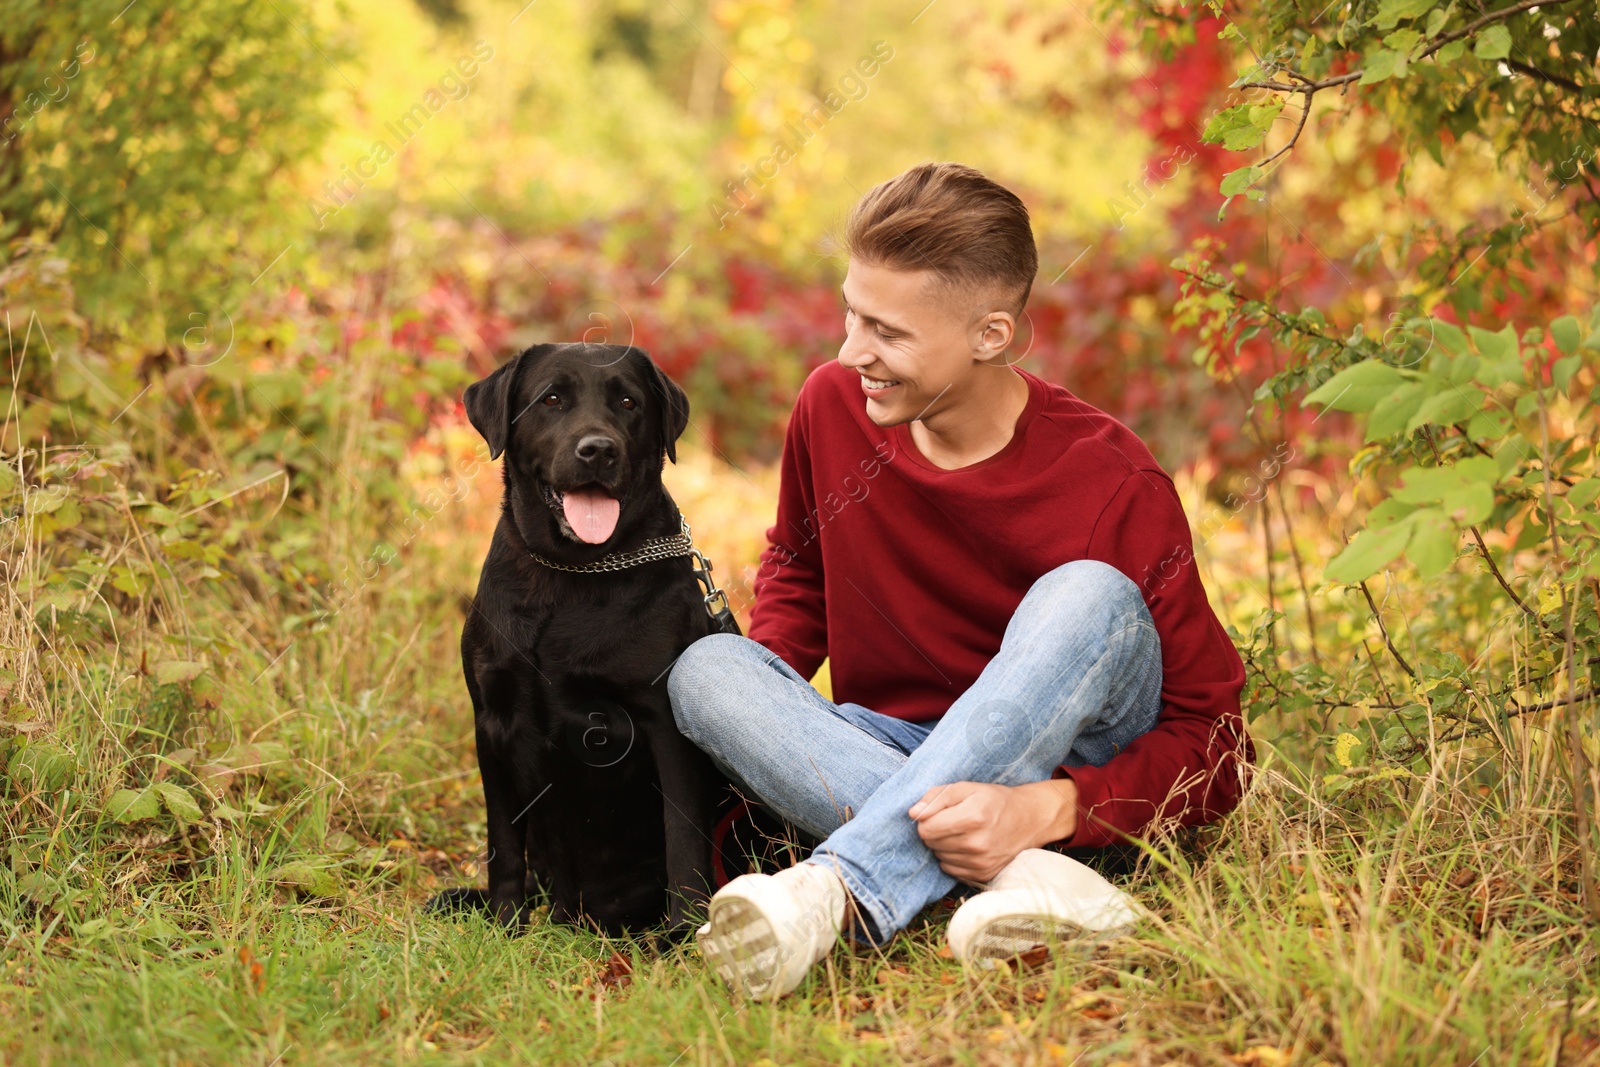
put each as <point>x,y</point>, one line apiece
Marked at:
<point>593,795</point>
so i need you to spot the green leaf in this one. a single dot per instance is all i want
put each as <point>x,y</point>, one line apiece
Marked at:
<point>1381,65</point>
<point>1515,449</point>
<point>1493,373</point>
<point>1358,387</point>
<point>1403,41</point>
<point>1464,490</point>
<point>1392,413</point>
<point>1567,334</point>
<point>1463,368</point>
<point>1451,404</point>
<point>1238,181</point>
<point>130,805</point>
<point>1388,513</point>
<point>1368,553</point>
<point>1584,493</point>
<point>173,671</point>
<point>178,800</point>
<point>1449,335</point>
<point>1433,544</point>
<point>1488,424</point>
<point>1242,126</point>
<point>1493,43</point>
<point>308,879</point>
<point>1562,370</point>
<point>1498,346</point>
<point>42,766</point>
<point>1436,20</point>
<point>1393,11</point>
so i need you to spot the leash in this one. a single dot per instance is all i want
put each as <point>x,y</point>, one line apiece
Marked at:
<point>657,548</point>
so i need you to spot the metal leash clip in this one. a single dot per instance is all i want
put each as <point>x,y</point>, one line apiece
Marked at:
<point>723,612</point>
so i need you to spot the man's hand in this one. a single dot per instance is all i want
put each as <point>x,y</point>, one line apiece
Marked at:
<point>976,829</point>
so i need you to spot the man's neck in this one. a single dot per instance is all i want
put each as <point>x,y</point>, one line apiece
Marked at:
<point>980,426</point>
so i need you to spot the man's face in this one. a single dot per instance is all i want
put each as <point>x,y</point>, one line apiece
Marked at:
<point>914,346</point>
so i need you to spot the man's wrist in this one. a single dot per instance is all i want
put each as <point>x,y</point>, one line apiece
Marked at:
<point>1056,801</point>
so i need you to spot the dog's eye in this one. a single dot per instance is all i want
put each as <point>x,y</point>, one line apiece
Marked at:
<point>628,403</point>
<point>550,400</point>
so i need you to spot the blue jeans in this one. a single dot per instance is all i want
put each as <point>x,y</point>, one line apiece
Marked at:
<point>1077,677</point>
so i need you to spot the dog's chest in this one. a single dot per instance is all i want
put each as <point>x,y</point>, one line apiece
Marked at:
<point>631,641</point>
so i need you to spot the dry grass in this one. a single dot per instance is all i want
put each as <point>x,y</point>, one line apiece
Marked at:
<point>1428,918</point>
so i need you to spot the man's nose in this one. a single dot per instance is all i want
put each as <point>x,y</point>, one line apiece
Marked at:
<point>595,447</point>
<point>854,354</point>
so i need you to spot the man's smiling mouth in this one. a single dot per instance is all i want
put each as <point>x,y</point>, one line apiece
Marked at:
<point>878,383</point>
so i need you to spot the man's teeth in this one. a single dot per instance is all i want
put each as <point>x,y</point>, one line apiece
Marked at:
<point>873,383</point>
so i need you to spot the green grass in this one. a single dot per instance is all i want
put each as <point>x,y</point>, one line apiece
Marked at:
<point>1425,920</point>
<point>1296,940</point>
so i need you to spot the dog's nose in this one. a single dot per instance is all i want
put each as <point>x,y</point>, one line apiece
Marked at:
<point>596,447</point>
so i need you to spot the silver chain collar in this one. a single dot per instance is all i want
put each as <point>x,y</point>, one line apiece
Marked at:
<point>653,549</point>
<point>679,544</point>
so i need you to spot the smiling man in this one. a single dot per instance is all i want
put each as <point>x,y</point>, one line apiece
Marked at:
<point>1002,580</point>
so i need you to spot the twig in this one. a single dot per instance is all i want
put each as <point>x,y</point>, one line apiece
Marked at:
<point>1384,630</point>
<point>1478,537</point>
<point>1580,758</point>
<point>1545,76</point>
<point>1548,705</point>
<point>1300,573</point>
<point>1510,592</point>
<point>1305,113</point>
<point>1311,88</point>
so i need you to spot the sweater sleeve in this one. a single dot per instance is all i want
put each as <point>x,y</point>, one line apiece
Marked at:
<point>789,616</point>
<point>1193,765</point>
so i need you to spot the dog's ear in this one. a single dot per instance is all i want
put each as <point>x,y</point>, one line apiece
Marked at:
<point>489,401</point>
<point>674,406</point>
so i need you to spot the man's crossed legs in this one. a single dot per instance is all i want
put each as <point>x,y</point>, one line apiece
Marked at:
<point>1077,677</point>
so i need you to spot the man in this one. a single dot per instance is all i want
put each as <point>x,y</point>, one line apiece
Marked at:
<point>1002,580</point>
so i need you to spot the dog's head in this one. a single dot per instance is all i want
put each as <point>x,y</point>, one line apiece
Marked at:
<point>586,430</point>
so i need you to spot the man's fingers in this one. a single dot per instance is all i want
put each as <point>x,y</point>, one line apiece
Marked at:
<point>953,821</point>
<point>938,798</point>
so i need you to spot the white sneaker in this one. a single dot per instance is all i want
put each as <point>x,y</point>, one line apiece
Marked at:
<point>1038,895</point>
<point>766,930</point>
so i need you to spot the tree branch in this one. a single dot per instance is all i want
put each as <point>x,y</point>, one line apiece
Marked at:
<point>1310,88</point>
<point>1384,630</point>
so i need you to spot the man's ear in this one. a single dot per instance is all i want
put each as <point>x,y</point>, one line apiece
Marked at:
<point>489,401</point>
<point>674,406</point>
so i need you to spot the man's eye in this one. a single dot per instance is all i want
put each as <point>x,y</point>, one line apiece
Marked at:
<point>628,403</point>
<point>550,400</point>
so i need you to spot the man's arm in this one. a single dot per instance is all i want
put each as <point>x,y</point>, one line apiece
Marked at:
<point>789,616</point>
<point>1192,766</point>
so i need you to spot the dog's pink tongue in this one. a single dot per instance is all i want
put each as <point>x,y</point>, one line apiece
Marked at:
<point>591,513</point>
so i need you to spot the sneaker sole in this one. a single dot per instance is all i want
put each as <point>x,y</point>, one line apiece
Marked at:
<point>1006,936</point>
<point>1012,935</point>
<point>741,946</point>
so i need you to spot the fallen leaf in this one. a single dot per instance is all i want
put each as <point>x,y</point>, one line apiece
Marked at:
<point>618,972</point>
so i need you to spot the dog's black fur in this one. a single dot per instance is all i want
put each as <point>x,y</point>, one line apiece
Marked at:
<point>593,795</point>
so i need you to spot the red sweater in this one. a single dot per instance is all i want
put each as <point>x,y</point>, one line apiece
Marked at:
<point>904,576</point>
